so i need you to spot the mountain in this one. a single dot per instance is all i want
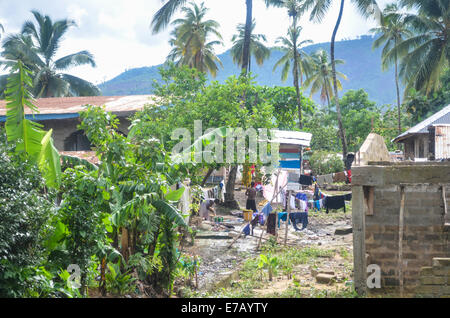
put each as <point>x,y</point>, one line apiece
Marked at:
<point>362,67</point>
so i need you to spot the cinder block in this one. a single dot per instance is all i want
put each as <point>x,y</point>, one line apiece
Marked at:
<point>426,271</point>
<point>441,262</point>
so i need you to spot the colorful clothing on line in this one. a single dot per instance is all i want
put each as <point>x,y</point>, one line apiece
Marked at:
<point>335,203</point>
<point>266,210</point>
<point>305,180</point>
<point>272,223</point>
<point>297,218</point>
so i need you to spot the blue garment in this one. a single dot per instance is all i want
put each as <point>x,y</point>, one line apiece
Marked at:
<point>266,210</point>
<point>297,218</point>
<point>246,230</point>
<point>302,197</point>
<point>282,216</point>
<point>317,205</point>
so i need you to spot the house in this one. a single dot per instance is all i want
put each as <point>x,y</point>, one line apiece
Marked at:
<point>428,140</point>
<point>62,115</point>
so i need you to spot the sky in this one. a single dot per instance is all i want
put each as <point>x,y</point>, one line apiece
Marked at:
<point>118,34</point>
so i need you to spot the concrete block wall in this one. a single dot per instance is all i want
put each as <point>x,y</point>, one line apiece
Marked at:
<point>435,279</point>
<point>425,235</point>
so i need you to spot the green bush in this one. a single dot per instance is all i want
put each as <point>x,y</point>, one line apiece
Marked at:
<point>323,162</point>
<point>25,206</point>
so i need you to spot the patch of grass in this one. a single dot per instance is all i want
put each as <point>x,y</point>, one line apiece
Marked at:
<point>344,253</point>
<point>252,278</point>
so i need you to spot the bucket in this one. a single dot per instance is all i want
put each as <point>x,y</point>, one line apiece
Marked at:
<point>248,215</point>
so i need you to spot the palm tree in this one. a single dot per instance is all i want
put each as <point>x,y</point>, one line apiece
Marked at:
<point>393,30</point>
<point>36,46</point>
<point>295,9</point>
<point>319,9</point>
<point>257,48</point>
<point>320,78</point>
<point>190,40</point>
<point>427,53</point>
<point>290,46</point>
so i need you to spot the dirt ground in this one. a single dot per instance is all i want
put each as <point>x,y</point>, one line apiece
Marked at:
<point>221,263</point>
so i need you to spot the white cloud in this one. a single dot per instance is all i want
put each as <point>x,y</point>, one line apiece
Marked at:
<point>117,32</point>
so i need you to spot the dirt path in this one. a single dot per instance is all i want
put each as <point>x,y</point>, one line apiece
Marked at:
<point>221,267</point>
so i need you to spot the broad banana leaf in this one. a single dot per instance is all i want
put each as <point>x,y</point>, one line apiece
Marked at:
<point>75,161</point>
<point>49,162</point>
<point>28,135</point>
<point>170,211</point>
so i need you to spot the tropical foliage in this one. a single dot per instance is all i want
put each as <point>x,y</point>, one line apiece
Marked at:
<point>426,54</point>
<point>190,40</point>
<point>393,30</point>
<point>36,47</point>
<point>257,48</point>
<point>320,78</point>
<point>28,135</point>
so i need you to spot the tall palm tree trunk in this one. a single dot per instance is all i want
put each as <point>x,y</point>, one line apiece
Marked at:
<point>248,31</point>
<point>398,92</point>
<point>335,86</point>
<point>230,201</point>
<point>296,76</point>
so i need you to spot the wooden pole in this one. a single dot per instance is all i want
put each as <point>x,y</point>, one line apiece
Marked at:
<point>265,221</point>
<point>287,218</point>
<point>400,239</point>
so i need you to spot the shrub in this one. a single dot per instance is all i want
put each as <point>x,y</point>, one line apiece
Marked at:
<point>25,206</point>
<point>323,162</point>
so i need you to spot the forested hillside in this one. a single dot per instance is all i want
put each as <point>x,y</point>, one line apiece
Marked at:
<point>362,67</point>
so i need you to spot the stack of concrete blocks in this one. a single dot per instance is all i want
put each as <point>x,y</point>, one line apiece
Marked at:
<point>435,280</point>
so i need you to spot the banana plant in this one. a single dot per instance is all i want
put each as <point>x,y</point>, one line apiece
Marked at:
<point>29,136</point>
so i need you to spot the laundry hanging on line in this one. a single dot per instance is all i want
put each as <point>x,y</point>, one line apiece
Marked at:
<point>335,203</point>
<point>306,180</point>
<point>272,223</point>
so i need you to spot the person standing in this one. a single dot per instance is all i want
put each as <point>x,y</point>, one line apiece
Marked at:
<point>206,207</point>
<point>251,197</point>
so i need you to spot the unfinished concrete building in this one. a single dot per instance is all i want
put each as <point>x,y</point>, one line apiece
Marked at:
<point>401,228</point>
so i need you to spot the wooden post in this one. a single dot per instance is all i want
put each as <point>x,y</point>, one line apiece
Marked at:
<point>265,221</point>
<point>400,239</point>
<point>287,218</point>
<point>359,245</point>
<point>124,240</point>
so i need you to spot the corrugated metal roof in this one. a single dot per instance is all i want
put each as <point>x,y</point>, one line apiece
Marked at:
<point>292,138</point>
<point>73,105</point>
<point>441,117</point>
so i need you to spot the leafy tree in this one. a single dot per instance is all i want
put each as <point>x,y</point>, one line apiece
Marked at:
<point>139,175</point>
<point>320,76</point>
<point>360,116</point>
<point>325,135</point>
<point>257,48</point>
<point>81,217</point>
<point>323,162</point>
<point>217,105</point>
<point>319,9</point>
<point>393,31</point>
<point>420,106</point>
<point>36,46</point>
<point>284,102</point>
<point>190,40</point>
<point>426,54</point>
